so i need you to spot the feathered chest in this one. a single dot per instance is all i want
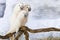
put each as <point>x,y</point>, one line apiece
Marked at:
<point>21,17</point>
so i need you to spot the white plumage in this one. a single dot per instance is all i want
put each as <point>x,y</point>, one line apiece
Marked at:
<point>19,17</point>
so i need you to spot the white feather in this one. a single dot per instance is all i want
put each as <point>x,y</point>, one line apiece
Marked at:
<point>17,19</point>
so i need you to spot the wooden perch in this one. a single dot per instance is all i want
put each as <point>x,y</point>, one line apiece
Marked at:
<point>18,35</point>
<point>25,30</point>
<point>6,36</point>
<point>42,30</point>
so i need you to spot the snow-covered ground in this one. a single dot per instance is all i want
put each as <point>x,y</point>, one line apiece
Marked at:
<point>44,14</point>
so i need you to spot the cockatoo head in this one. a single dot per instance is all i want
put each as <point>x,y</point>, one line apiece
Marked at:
<point>22,6</point>
<point>25,7</point>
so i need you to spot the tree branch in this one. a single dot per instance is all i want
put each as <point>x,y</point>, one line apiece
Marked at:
<point>23,28</point>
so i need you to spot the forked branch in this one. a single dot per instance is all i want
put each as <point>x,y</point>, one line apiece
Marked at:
<point>24,30</point>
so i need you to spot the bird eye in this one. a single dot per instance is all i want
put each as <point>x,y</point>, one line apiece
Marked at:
<point>21,8</point>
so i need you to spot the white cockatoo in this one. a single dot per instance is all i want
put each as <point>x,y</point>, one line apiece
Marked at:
<point>19,17</point>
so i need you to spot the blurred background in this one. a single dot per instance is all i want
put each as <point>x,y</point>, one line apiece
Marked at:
<point>44,14</point>
<point>2,7</point>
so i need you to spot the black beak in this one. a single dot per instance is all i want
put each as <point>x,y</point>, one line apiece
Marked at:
<point>29,9</point>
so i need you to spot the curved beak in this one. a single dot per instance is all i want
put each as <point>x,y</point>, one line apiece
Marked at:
<point>29,9</point>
